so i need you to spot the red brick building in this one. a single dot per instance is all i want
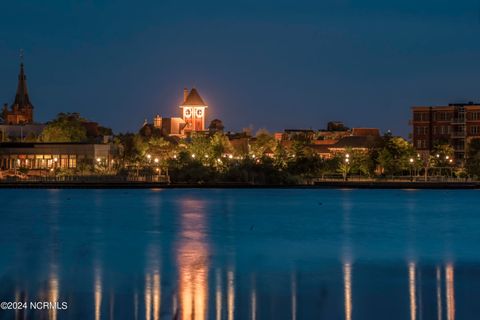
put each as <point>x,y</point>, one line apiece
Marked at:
<point>193,110</point>
<point>455,124</point>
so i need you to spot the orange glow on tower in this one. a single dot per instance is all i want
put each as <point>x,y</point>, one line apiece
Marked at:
<point>193,111</point>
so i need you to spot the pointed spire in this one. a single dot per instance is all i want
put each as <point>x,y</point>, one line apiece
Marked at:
<point>193,99</point>
<point>22,99</point>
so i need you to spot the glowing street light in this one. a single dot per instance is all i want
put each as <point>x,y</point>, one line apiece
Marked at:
<point>411,160</point>
<point>98,160</point>
<point>156,160</point>
<point>230,156</point>
<point>193,155</point>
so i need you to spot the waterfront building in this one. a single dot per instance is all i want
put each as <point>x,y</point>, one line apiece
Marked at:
<point>41,156</point>
<point>192,118</point>
<point>328,143</point>
<point>173,126</point>
<point>455,124</point>
<point>362,143</point>
<point>193,110</point>
<point>21,110</point>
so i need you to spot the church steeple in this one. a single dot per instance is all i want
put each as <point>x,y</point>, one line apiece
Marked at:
<point>22,100</point>
<point>21,111</point>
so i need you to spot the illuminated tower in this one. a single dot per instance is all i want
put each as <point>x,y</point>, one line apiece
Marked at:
<point>193,110</point>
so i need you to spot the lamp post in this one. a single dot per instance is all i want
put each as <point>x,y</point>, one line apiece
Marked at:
<point>411,166</point>
<point>346,167</point>
<point>55,161</point>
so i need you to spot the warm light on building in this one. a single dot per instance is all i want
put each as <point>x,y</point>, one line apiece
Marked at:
<point>193,110</point>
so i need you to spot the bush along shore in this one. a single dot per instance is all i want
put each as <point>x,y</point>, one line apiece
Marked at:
<point>211,159</point>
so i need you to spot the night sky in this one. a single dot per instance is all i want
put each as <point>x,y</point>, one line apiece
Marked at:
<point>267,64</point>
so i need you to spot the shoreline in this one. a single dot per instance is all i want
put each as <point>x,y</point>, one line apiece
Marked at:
<point>163,185</point>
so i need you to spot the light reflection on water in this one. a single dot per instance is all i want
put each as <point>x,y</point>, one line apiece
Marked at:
<point>192,261</point>
<point>241,254</point>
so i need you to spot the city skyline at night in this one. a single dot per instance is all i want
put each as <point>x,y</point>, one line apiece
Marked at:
<point>254,64</point>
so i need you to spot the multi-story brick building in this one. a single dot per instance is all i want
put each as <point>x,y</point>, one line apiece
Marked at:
<point>456,124</point>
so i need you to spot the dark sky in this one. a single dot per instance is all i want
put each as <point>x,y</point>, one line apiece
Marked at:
<point>275,64</point>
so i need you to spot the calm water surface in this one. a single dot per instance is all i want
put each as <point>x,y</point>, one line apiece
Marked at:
<point>242,254</point>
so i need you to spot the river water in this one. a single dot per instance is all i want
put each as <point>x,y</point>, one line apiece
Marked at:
<point>241,254</point>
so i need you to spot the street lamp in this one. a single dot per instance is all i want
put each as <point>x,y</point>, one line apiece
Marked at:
<point>411,164</point>
<point>156,160</point>
<point>193,155</point>
<point>55,160</point>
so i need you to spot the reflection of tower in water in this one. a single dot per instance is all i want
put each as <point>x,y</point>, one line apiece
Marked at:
<point>192,259</point>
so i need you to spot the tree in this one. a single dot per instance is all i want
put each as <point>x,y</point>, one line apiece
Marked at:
<point>160,149</point>
<point>132,147</point>
<point>263,142</point>
<point>443,155</point>
<point>220,145</point>
<point>280,156</point>
<point>472,164</point>
<point>394,157</point>
<point>344,168</point>
<point>216,126</point>
<point>200,147</point>
<point>67,127</point>
<point>306,167</point>
<point>362,163</point>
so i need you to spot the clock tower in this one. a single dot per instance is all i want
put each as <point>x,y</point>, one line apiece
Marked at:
<point>193,110</point>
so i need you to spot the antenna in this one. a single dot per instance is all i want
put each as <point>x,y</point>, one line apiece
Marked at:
<point>21,56</point>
